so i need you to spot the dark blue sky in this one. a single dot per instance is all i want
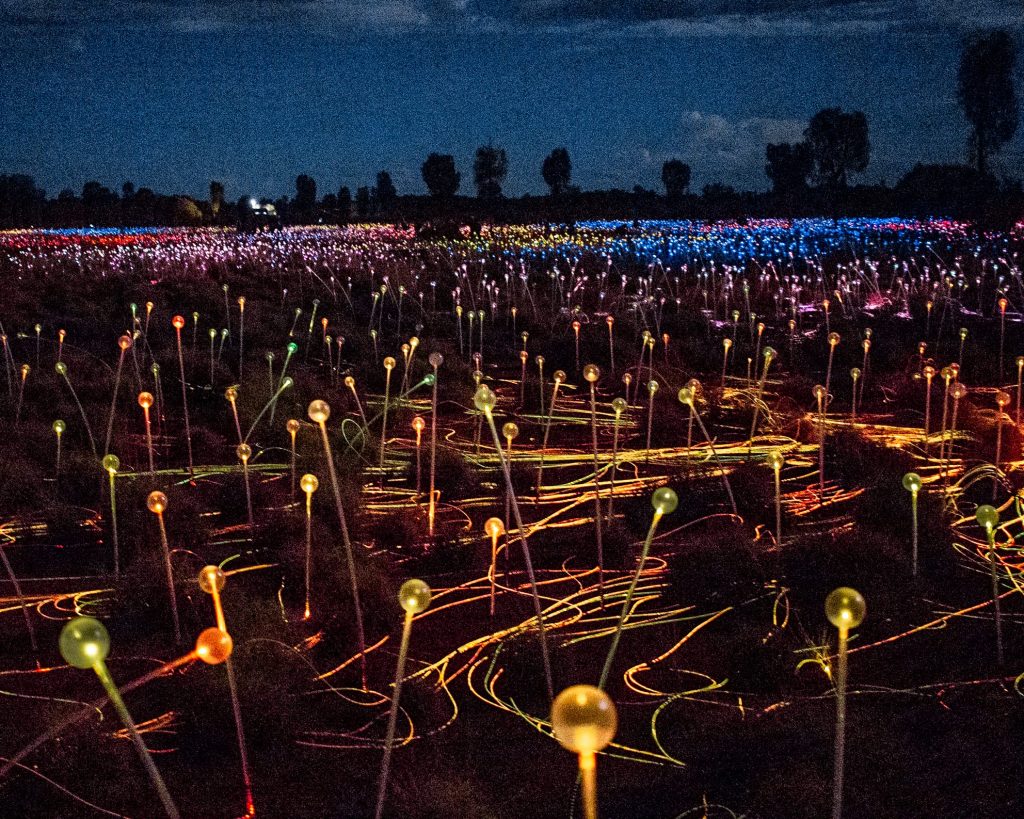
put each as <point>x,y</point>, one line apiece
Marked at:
<point>171,94</point>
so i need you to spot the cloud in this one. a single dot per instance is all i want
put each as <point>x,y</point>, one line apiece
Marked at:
<point>731,151</point>
<point>641,18</point>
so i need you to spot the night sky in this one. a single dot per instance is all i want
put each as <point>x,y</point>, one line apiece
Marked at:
<point>172,94</point>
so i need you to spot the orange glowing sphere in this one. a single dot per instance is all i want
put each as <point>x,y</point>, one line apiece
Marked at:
<point>494,527</point>
<point>156,502</point>
<point>178,322</point>
<point>145,400</point>
<point>214,646</point>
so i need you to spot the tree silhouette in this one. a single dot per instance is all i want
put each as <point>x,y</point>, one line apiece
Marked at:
<point>305,195</point>
<point>986,92</point>
<point>440,176</point>
<point>216,198</point>
<point>362,202</point>
<point>675,176</point>
<point>489,171</point>
<point>557,171</point>
<point>788,165</point>
<point>839,146</point>
<point>387,196</point>
<point>344,203</point>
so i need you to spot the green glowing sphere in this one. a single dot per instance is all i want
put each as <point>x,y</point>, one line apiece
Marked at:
<point>591,372</point>
<point>156,502</point>
<point>429,379</point>
<point>912,482</point>
<point>309,483</point>
<point>414,596</point>
<point>769,353</point>
<point>61,368</point>
<point>212,578</point>
<point>485,399</point>
<point>987,516</point>
<point>84,642</point>
<point>775,459</point>
<point>845,608</point>
<point>111,463</point>
<point>292,348</point>
<point>59,426</point>
<point>665,500</point>
<point>318,411</point>
<point>619,405</point>
<point>583,719</point>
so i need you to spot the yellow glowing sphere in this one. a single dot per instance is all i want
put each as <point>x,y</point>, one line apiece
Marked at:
<point>212,578</point>
<point>1002,305</point>
<point>485,399</point>
<point>775,460</point>
<point>954,369</point>
<point>652,386</point>
<point>1020,362</point>
<point>214,646</point>
<point>350,382</point>
<point>685,396</point>
<point>414,596</point>
<point>929,371</point>
<point>494,527</point>
<point>987,516</point>
<point>318,411</point>
<point>418,424</point>
<point>833,339</point>
<point>958,391</point>
<point>59,426</point>
<point>156,502</point>
<point>25,369</point>
<point>727,343</point>
<point>231,394</point>
<point>819,392</point>
<point>309,483</point>
<point>510,429</point>
<point>963,333</point>
<point>866,344</point>
<point>145,400</point>
<point>84,642</point>
<point>912,482</point>
<point>243,451</point>
<point>619,405</point>
<point>292,426</point>
<point>845,608</point>
<point>414,342</point>
<point>583,719</point>
<point>124,342</point>
<point>523,355</point>
<point>1002,398</point>
<point>558,376</point>
<point>389,363</point>
<point>178,322</point>
<point>111,463</point>
<point>591,373</point>
<point>61,368</point>
<point>665,500</point>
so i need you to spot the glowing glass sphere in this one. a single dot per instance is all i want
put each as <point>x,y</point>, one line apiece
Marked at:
<point>414,596</point>
<point>958,391</point>
<point>727,343</point>
<point>963,333</point>
<point>652,386</point>
<point>243,451</point>
<point>539,360</point>
<point>523,355</point>
<point>1020,361</point>
<point>769,353</point>
<point>558,376</point>
<point>987,516</point>
<point>429,379</point>
<point>61,368</point>
<point>124,342</point>
<point>178,322</point>
<point>583,719</point>
<point>665,500</point>
<point>231,394</point>
<point>418,424</point>
<point>435,360</point>
<point>845,608</point>
<point>591,373</point>
<point>59,426</point>
<point>833,339</point>
<point>111,463</point>
<point>145,400</point>
<point>1002,398</point>
<point>286,383</point>
<point>389,363</point>
<point>494,527</point>
<point>350,382</point>
<point>775,459</point>
<point>818,392</point>
<point>84,642</point>
<point>619,405</point>
<point>212,578</point>
<point>912,482</point>
<point>510,429</point>
<point>485,399</point>
<point>156,502</point>
<point>292,348</point>
<point>929,371</point>
<point>292,426</point>
<point>685,396</point>
<point>318,411</point>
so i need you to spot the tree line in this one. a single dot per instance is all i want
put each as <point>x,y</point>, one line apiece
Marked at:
<point>811,176</point>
